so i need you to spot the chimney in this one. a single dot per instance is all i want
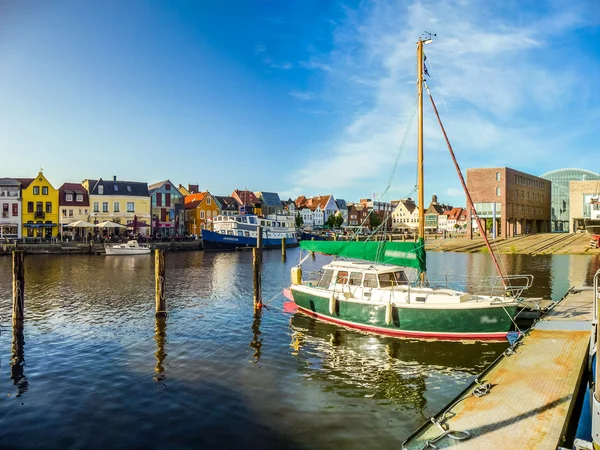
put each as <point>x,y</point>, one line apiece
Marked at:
<point>114,178</point>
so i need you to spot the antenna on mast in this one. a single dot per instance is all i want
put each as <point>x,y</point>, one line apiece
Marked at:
<point>426,37</point>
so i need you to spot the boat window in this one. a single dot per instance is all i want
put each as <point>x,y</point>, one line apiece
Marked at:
<point>355,279</point>
<point>401,277</point>
<point>262,222</point>
<point>268,224</point>
<point>252,219</point>
<point>240,233</point>
<point>244,219</point>
<point>342,277</point>
<point>278,224</point>
<point>387,280</point>
<point>325,280</point>
<point>230,232</point>
<point>370,280</point>
<point>246,233</point>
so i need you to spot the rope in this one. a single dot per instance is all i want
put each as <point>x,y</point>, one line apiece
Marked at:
<point>479,391</point>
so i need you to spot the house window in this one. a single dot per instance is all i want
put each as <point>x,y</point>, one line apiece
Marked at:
<point>4,210</point>
<point>522,194</point>
<point>167,187</point>
<point>70,213</point>
<point>497,176</point>
<point>128,188</point>
<point>208,200</point>
<point>15,209</point>
<point>498,191</point>
<point>45,190</point>
<point>116,188</point>
<point>167,199</point>
<point>158,199</point>
<point>116,206</point>
<point>29,207</point>
<point>64,213</point>
<point>96,208</point>
<point>104,206</point>
<point>130,207</point>
<point>101,190</point>
<point>36,190</point>
<point>202,214</point>
<point>48,207</point>
<point>69,197</point>
<point>79,197</point>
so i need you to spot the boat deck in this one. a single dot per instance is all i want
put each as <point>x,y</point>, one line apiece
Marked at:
<point>533,390</point>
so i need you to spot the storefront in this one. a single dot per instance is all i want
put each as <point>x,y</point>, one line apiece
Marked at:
<point>40,229</point>
<point>9,230</point>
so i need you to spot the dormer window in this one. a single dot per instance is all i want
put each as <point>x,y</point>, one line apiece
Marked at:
<point>116,188</point>
<point>69,197</point>
<point>101,190</point>
<point>128,188</point>
<point>79,198</point>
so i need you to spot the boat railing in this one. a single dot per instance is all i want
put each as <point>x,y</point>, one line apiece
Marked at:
<point>513,285</point>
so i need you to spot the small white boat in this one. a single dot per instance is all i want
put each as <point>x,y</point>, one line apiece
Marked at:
<point>129,248</point>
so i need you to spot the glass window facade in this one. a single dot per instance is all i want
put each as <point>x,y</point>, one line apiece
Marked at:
<point>559,201</point>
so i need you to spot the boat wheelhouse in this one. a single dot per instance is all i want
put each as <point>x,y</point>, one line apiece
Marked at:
<point>240,231</point>
<point>592,225</point>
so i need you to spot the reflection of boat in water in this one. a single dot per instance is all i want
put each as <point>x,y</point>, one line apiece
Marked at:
<point>129,248</point>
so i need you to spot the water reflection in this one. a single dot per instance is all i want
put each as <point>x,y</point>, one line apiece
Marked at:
<point>392,370</point>
<point>17,360</point>
<point>256,342</point>
<point>160,336</point>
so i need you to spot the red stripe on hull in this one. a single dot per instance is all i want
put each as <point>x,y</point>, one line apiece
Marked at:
<point>500,336</point>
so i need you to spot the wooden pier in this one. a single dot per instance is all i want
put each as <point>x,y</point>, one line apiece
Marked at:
<point>533,390</point>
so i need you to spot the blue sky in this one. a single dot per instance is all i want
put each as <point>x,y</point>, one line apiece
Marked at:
<point>301,97</point>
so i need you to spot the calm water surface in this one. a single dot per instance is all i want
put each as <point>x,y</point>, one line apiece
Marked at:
<point>94,368</point>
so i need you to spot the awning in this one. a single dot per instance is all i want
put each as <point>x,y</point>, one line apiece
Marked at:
<point>2,225</point>
<point>39,225</point>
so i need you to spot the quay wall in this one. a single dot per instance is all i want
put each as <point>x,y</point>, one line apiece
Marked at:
<point>73,248</point>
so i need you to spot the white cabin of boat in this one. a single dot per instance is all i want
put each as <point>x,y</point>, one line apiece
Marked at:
<point>273,226</point>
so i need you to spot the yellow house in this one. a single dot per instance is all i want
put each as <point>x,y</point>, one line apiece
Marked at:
<point>124,202</point>
<point>200,209</point>
<point>40,207</point>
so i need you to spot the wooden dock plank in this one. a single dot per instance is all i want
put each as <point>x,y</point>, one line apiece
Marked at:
<point>533,390</point>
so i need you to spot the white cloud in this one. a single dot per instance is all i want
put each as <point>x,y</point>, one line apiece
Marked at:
<point>500,95</point>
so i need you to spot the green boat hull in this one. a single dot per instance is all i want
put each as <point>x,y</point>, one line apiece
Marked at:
<point>473,322</point>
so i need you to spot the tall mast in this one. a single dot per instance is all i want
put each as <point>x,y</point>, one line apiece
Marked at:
<point>420,190</point>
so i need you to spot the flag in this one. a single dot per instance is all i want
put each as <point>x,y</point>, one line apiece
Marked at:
<point>425,70</point>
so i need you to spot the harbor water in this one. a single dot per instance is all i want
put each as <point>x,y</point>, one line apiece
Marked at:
<point>93,368</point>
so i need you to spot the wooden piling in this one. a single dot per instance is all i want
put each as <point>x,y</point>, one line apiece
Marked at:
<point>259,242</point>
<point>159,277</point>
<point>18,286</point>
<point>256,278</point>
<point>283,249</point>
<point>357,238</point>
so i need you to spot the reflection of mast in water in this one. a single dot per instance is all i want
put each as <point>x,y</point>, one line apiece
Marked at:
<point>17,360</point>
<point>160,336</point>
<point>256,343</point>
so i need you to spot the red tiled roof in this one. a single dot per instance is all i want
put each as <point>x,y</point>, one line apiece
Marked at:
<point>195,197</point>
<point>74,189</point>
<point>25,182</point>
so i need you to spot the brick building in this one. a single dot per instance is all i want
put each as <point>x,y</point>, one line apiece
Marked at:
<point>520,201</point>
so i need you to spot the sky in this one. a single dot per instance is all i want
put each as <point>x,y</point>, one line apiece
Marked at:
<point>299,97</point>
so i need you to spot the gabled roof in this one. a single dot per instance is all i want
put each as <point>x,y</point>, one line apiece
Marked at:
<point>192,204</point>
<point>195,197</point>
<point>341,204</point>
<point>25,182</point>
<point>435,208</point>
<point>270,199</point>
<point>244,197</point>
<point>313,202</point>
<point>409,204</point>
<point>125,188</point>
<point>226,203</point>
<point>74,189</point>
<point>152,188</point>
<point>453,214</point>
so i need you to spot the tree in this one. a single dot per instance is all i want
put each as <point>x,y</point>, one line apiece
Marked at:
<point>374,220</point>
<point>338,220</point>
<point>299,220</point>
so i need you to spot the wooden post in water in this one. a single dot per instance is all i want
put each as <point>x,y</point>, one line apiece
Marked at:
<point>256,278</point>
<point>283,249</point>
<point>18,286</point>
<point>312,254</point>
<point>357,238</point>
<point>159,277</point>
<point>259,242</point>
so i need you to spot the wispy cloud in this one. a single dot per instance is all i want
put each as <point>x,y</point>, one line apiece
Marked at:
<point>498,83</point>
<point>300,95</point>
<point>260,48</point>
<point>285,65</point>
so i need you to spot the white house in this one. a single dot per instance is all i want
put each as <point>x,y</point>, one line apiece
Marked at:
<point>322,207</point>
<point>10,202</point>
<point>307,216</point>
<point>405,215</point>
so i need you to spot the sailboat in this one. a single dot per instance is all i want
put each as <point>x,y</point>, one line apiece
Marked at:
<point>375,294</point>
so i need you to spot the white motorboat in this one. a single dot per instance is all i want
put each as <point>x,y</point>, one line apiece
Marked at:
<point>129,248</point>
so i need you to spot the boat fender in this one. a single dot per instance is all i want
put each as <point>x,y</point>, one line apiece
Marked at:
<point>332,305</point>
<point>388,313</point>
<point>296,275</point>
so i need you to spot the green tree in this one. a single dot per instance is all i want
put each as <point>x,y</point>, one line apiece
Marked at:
<point>338,220</point>
<point>374,220</point>
<point>299,220</point>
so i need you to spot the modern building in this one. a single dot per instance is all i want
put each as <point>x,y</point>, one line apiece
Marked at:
<point>10,201</point>
<point>580,195</point>
<point>40,216</point>
<point>560,199</point>
<point>168,212</point>
<point>518,201</point>
<point>74,205</point>
<point>124,202</point>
